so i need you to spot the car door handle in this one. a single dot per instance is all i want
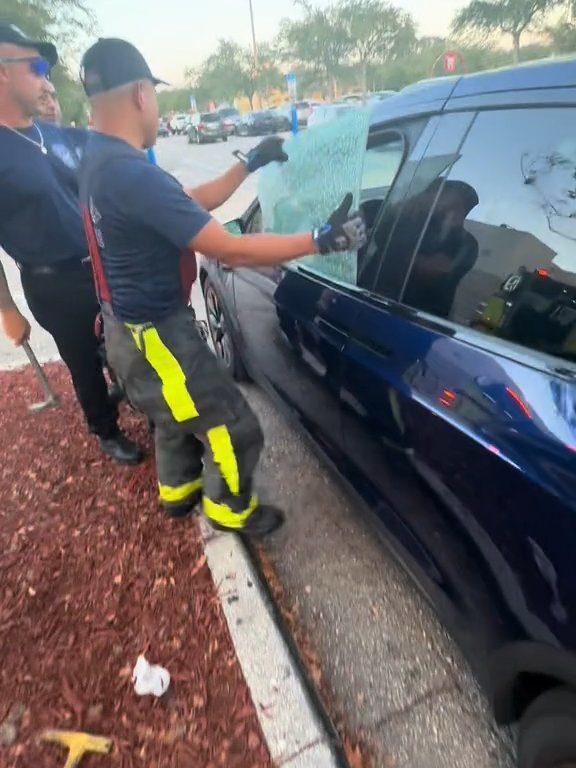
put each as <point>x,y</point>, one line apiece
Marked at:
<point>374,346</point>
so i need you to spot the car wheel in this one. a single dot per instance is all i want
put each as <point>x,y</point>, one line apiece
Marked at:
<point>222,339</point>
<point>547,733</point>
<point>224,138</point>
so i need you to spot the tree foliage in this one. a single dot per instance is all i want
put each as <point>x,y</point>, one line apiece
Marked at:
<point>378,32</point>
<point>509,17</point>
<point>320,43</point>
<point>231,71</point>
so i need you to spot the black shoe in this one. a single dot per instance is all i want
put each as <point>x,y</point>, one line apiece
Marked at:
<point>115,393</point>
<point>121,449</point>
<point>263,521</point>
<point>186,507</point>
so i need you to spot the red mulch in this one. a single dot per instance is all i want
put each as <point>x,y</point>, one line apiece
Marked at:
<point>92,574</point>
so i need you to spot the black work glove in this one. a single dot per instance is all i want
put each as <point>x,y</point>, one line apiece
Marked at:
<point>268,151</point>
<point>344,231</point>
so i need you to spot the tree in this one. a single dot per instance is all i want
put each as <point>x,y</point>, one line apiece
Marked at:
<point>319,42</point>
<point>378,32</point>
<point>509,17</point>
<point>231,71</point>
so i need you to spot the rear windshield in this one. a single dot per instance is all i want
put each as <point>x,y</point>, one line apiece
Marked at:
<point>228,112</point>
<point>210,117</point>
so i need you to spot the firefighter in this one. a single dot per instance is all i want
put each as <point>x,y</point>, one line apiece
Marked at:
<point>41,229</point>
<point>138,220</point>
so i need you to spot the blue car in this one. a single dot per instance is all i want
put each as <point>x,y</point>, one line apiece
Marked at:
<point>438,377</point>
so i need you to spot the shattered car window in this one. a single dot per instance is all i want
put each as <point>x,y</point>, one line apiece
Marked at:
<point>324,165</point>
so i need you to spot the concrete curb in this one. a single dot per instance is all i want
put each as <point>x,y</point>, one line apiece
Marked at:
<point>293,730</point>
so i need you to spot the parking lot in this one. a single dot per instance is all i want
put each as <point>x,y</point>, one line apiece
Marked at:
<point>390,671</point>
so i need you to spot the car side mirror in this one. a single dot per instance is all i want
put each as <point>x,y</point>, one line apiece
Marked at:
<point>234,227</point>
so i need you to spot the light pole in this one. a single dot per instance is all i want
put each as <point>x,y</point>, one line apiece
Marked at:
<point>254,46</point>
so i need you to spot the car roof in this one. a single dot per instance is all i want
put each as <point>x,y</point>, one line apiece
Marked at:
<point>432,94</point>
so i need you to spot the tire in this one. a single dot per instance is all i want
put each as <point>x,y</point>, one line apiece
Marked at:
<point>224,138</point>
<point>547,732</point>
<point>222,340</point>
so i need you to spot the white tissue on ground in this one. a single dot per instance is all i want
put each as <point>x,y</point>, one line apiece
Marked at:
<point>150,679</point>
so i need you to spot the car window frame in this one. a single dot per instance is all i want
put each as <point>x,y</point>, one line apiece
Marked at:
<point>377,130</point>
<point>505,348</point>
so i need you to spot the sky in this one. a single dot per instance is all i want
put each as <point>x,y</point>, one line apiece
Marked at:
<point>174,34</point>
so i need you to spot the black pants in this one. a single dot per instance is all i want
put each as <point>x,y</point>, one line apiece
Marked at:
<point>206,434</point>
<point>64,303</point>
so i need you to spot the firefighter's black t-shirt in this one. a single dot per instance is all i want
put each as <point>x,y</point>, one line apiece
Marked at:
<point>142,220</point>
<point>40,220</point>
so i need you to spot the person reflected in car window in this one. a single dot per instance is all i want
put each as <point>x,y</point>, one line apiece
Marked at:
<point>447,251</point>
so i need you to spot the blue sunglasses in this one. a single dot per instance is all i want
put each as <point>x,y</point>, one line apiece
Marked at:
<point>38,64</point>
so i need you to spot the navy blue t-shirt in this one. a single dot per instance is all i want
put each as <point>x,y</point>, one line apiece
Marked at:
<point>40,219</point>
<point>143,220</point>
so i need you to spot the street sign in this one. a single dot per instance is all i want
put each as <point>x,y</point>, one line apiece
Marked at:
<point>291,83</point>
<point>193,105</point>
<point>450,62</point>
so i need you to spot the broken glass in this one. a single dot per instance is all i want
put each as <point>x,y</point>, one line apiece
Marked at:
<point>325,163</point>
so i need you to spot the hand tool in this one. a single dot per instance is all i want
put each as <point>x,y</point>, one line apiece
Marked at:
<point>78,744</point>
<point>52,400</point>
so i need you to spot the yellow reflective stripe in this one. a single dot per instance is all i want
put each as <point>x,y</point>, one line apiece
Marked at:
<point>173,494</point>
<point>224,456</point>
<point>169,371</point>
<point>225,516</point>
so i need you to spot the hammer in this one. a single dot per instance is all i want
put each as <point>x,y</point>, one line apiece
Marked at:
<point>78,744</point>
<point>52,400</point>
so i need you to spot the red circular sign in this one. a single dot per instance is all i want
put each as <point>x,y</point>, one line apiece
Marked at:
<point>450,62</point>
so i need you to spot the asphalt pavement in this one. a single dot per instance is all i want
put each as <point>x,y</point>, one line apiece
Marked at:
<point>389,665</point>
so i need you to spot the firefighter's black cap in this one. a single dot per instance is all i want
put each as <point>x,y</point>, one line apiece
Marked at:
<point>111,63</point>
<point>10,33</point>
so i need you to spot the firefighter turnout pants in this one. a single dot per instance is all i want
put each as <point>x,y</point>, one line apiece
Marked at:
<point>206,434</point>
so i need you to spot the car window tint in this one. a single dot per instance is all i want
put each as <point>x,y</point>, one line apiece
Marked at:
<point>325,164</point>
<point>397,225</point>
<point>381,164</point>
<point>499,252</point>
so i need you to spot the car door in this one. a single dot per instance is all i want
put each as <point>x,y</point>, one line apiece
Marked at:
<point>294,319</point>
<point>459,368</point>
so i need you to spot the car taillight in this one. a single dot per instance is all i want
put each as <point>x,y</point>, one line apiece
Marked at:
<point>201,127</point>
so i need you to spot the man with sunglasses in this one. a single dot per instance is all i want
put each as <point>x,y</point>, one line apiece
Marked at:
<point>41,229</point>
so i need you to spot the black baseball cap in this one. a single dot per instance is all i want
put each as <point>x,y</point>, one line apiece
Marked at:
<point>112,62</point>
<point>10,33</point>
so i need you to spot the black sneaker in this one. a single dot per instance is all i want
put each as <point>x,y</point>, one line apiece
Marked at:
<point>121,449</point>
<point>186,507</point>
<point>264,520</point>
<point>115,393</point>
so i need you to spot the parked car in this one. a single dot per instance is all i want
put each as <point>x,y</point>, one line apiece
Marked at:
<point>304,109</point>
<point>163,129</point>
<point>230,118</point>
<point>179,123</point>
<point>437,372</point>
<point>326,113</point>
<point>259,124</point>
<point>206,126</point>
<point>284,114</point>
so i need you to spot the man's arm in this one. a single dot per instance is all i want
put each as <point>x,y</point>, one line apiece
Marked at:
<point>213,194</point>
<point>15,326</point>
<point>344,231</point>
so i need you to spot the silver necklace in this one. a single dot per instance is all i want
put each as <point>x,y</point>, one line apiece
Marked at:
<point>40,144</point>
